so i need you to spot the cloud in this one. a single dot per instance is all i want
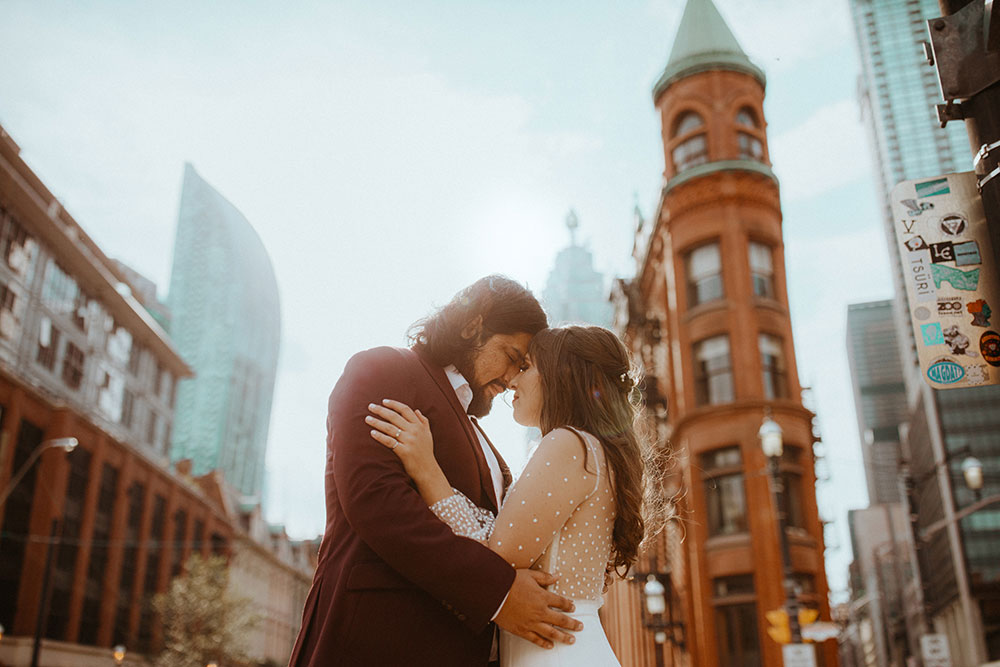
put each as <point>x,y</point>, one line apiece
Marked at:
<point>776,34</point>
<point>825,151</point>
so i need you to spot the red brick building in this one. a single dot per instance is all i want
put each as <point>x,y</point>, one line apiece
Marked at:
<point>81,357</point>
<point>708,315</point>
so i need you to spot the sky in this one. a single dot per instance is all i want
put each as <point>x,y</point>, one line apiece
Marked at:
<point>391,153</point>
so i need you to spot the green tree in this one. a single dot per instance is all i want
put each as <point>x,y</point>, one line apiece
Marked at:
<point>202,622</point>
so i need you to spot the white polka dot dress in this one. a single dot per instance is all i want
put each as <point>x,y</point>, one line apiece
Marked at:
<point>558,516</point>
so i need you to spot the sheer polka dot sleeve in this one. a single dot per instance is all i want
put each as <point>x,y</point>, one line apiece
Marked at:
<point>561,475</point>
<point>464,517</point>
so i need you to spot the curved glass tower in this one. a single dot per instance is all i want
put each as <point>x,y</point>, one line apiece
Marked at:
<point>227,326</point>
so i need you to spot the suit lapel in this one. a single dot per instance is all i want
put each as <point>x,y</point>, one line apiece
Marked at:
<point>504,468</point>
<point>485,478</point>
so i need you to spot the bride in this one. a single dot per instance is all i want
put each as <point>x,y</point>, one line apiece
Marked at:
<point>577,509</point>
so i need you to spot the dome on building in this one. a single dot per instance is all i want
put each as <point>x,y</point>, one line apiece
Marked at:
<point>704,42</point>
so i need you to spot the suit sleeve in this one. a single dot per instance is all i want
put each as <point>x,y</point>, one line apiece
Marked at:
<point>383,506</point>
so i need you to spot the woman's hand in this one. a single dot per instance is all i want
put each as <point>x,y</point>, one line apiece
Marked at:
<point>407,433</point>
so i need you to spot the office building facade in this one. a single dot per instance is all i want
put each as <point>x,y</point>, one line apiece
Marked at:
<point>898,92</point>
<point>82,356</point>
<point>226,322</point>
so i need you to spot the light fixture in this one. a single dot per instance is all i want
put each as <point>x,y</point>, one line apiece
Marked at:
<point>66,444</point>
<point>119,653</point>
<point>770,437</point>
<point>972,470</point>
<point>655,594</point>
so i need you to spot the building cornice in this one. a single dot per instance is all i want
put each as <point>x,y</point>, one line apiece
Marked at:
<point>719,165</point>
<point>80,254</point>
<point>706,62</point>
<point>687,176</point>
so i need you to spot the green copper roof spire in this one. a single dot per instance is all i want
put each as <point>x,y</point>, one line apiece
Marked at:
<point>704,42</point>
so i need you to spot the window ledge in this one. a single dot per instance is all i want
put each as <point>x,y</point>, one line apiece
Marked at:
<point>800,536</point>
<point>770,303</point>
<point>721,542</point>
<point>706,307</point>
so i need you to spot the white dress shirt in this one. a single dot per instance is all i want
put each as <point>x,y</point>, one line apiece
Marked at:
<point>464,392</point>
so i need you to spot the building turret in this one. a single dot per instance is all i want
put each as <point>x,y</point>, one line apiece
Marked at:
<point>711,327</point>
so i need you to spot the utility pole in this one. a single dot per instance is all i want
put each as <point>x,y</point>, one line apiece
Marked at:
<point>966,50</point>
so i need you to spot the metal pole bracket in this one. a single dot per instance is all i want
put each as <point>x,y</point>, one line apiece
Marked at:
<point>964,66</point>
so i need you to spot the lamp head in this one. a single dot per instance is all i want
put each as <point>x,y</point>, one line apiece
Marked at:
<point>119,653</point>
<point>972,470</point>
<point>66,444</point>
<point>655,594</point>
<point>770,435</point>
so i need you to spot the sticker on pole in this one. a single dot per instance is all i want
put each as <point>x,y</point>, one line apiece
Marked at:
<point>952,281</point>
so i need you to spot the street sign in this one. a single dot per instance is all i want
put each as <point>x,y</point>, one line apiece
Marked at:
<point>798,655</point>
<point>934,649</point>
<point>952,283</point>
<point>820,631</point>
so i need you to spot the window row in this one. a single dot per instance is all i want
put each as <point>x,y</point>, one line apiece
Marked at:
<point>17,247</point>
<point>692,149</point>
<point>725,496</point>
<point>188,536</point>
<point>703,268</point>
<point>713,369</point>
<point>736,617</point>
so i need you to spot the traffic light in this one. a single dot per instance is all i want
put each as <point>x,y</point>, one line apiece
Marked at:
<point>780,630</point>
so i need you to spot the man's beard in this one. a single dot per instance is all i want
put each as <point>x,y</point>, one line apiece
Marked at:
<point>481,402</point>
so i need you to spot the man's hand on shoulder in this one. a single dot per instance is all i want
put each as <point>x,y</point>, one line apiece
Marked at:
<point>530,610</point>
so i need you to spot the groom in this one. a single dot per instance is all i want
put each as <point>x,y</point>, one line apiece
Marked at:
<point>394,585</point>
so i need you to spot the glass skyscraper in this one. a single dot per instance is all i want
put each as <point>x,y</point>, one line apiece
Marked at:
<point>575,292</point>
<point>227,325</point>
<point>898,91</point>
<point>879,394</point>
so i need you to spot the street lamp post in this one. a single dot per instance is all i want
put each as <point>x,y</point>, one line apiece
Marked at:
<point>972,473</point>
<point>66,444</point>
<point>771,442</point>
<point>657,608</point>
<point>656,604</point>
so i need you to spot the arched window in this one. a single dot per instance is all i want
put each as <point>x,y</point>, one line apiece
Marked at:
<point>692,150</point>
<point>747,118</point>
<point>751,148</point>
<point>750,145</point>
<point>687,122</point>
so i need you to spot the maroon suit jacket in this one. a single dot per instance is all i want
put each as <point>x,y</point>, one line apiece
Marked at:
<point>394,585</point>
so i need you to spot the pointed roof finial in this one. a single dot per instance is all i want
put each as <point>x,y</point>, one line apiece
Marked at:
<point>572,223</point>
<point>704,42</point>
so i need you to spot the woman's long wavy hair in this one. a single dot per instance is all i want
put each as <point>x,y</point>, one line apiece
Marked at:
<point>588,382</point>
